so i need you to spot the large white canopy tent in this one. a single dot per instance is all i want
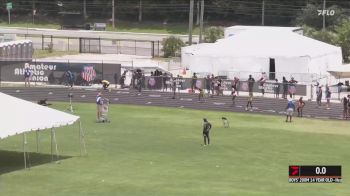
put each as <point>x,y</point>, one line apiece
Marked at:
<point>252,51</point>
<point>20,116</point>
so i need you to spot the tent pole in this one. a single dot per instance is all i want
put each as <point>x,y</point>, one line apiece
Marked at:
<point>51,146</point>
<point>24,150</point>
<point>82,140</point>
<point>37,141</point>
<point>56,147</point>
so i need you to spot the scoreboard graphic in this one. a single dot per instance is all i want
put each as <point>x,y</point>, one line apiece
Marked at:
<point>315,174</point>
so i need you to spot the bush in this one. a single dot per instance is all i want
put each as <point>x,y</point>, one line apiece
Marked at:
<point>172,46</point>
<point>212,34</point>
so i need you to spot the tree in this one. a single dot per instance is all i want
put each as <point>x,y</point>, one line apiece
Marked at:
<point>212,34</point>
<point>172,46</point>
<point>310,16</point>
<point>343,38</point>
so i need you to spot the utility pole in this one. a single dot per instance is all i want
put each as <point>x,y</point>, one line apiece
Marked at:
<point>263,13</point>
<point>84,9</point>
<point>190,22</point>
<point>33,11</point>
<point>201,22</point>
<point>198,12</point>
<point>113,14</point>
<point>324,15</point>
<point>140,11</point>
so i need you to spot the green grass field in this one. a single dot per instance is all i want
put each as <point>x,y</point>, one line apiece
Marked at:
<point>157,151</point>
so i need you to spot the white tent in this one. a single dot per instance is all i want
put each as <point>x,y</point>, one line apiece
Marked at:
<point>20,116</point>
<point>252,51</point>
<point>234,30</point>
<point>342,71</point>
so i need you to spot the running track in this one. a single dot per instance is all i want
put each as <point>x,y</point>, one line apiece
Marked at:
<point>164,99</point>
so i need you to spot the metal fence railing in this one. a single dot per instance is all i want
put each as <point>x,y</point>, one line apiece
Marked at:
<point>95,45</point>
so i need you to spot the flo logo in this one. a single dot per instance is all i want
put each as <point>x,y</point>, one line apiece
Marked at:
<point>293,170</point>
<point>326,12</point>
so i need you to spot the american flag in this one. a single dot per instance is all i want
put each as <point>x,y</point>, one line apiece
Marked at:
<point>88,73</point>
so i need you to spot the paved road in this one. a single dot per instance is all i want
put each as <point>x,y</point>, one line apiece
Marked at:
<point>91,34</point>
<point>261,105</point>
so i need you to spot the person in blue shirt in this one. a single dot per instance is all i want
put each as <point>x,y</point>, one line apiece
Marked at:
<point>290,109</point>
<point>27,75</point>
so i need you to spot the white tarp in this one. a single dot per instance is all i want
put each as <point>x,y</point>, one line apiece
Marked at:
<point>342,71</point>
<point>235,30</point>
<point>19,116</point>
<point>251,51</point>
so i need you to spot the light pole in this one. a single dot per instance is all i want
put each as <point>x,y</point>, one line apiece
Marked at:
<point>190,22</point>
<point>113,14</point>
<point>201,22</point>
<point>324,15</point>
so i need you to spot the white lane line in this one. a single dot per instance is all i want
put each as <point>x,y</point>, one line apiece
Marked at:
<point>218,103</point>
<point>154,95</point>
<point>186,99</point>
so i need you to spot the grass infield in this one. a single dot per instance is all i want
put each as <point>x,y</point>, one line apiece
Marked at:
<point>157,151</point>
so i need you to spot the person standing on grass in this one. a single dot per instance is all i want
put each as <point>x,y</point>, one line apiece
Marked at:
<point>319,96</point>
<point>345,108</point>
<point>206,128</point>
<point>328,96</point>
<point>27,76</point>
<point>300,107</point>
<point>290,109</point>
<point>99,103</point>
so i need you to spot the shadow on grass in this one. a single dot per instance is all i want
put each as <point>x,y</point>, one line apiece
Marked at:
<point>12,161</point>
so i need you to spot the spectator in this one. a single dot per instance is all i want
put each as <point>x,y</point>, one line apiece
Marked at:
<point>277,89</point>
<point>300,107</point>
<point>220,90</point>
<point>27,77</point>
<point>251,82</point>
<point>235,84</point>
<point>194,81</point>
<point>345,108</point>
<point>173,86</point>
<point>328,96</point>
<point>212,85</point>
<point>319,96</point>
<point>262,81</point>
<point>206,128</point>
<point>71,78</point>
<point>165,81</point>
<point>290,109</point>
<point>207,84</point>
<point>292,87</point>
<point>234,95</point>
<point>285,87</point>
<point>122,80</point>
<point>348,106</point>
